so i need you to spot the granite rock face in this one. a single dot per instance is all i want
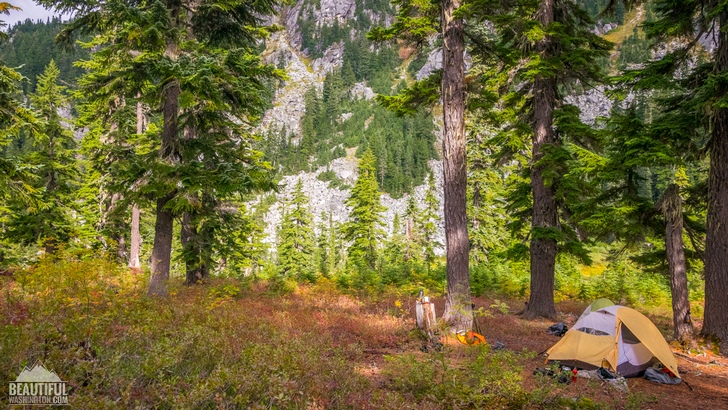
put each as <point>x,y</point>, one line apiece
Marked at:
<point>592,104</point>
<point>325,199</point>
<point>284,48</point>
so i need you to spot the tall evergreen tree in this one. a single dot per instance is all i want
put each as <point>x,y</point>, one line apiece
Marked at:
<point>541,49</point>
<point>696,110</point>
<point>53,157</point>
<point>14,119</point>
<point>622,204</point>
<point>364,229</point>
<point>395,249</point>
<point>296,239</point>
<point>672,210</point>
<point>323,247</point>
<point>413,226</point>
<point>430,217</point>
<point>201,67</point>
<point>416,21</point>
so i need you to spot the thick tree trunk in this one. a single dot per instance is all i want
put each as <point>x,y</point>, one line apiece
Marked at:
<point>164,226</point>
<point>162,251</point>
<point>136,238</point>
<point>716,240</point>
<point>671,206</point>
<point>545,213</point>
<point>458,309</point>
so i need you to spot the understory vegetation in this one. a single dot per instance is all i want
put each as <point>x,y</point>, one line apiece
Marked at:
<point>250,344</point>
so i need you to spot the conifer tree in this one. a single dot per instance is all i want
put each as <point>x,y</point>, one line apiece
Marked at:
<point>557,51</point>
<point>395,250</point>
<point>364,229</point>
<point>200,66</point>
<point>413,234</point>
<point>335,248</point>
<point>53,157</point>
<point>696,112</point>
<point>296,239</point>
<point>430,217</point>
<point>15,118</point>
<point>621,205</point>
<point>416,21</point>
<point>323,247</point>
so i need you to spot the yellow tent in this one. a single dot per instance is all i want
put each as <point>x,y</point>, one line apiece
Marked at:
<point>616,337</point>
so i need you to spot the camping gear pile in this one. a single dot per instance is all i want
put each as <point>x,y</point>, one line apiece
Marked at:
<point>558,329</point>
<point>616,338</point>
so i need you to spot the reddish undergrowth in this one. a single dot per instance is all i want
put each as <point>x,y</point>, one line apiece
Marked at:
<point>225,344</point>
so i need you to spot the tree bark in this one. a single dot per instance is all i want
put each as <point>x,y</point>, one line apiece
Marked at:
<point>458,309</point>
<point>136,238</point>
<point>671,206</point>
<point>545,212</point>
<point>715,324</point>
<point>164,226</point>
<point>162,251</point>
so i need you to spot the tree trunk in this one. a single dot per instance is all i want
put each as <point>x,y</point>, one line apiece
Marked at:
<point>545,213</point>
<point>164,226</point>
<point>716,239</point>
<point>121,248</point>
<point>162,251</point>
<point>136,238</point>
<point>671,206</point>
<point>114,224</point>
<point>458,309</point>
<point>191,249</point>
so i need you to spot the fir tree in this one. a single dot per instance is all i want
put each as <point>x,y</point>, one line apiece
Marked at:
<point>296,240</point>
<point>199,64</point>
<point>430,217</point>
<point>395,250</point>
<point>335,244</point>
<point>16,181</point>
<point>558,51</point>
<point>623,205</point>
<point>698,108</point>
<point>364,229</point>
<point>323,247</point>
<point>413,234</point>
<point>416,21</point>
<point>15,120</point>
<point>694,119</point>
<point>53,157</point>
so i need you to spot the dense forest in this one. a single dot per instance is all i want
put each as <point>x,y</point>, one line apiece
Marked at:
<point>233,204</point>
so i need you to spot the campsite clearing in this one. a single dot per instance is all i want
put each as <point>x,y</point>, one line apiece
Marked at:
<point>222,346</point>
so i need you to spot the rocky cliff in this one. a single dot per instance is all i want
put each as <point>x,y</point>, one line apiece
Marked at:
<point>307,68</point>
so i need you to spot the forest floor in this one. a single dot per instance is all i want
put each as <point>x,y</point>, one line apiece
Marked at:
<point>223,345</point>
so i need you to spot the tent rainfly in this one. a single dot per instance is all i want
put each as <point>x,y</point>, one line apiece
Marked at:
<point>596,305</point>
<point>615,337</point>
